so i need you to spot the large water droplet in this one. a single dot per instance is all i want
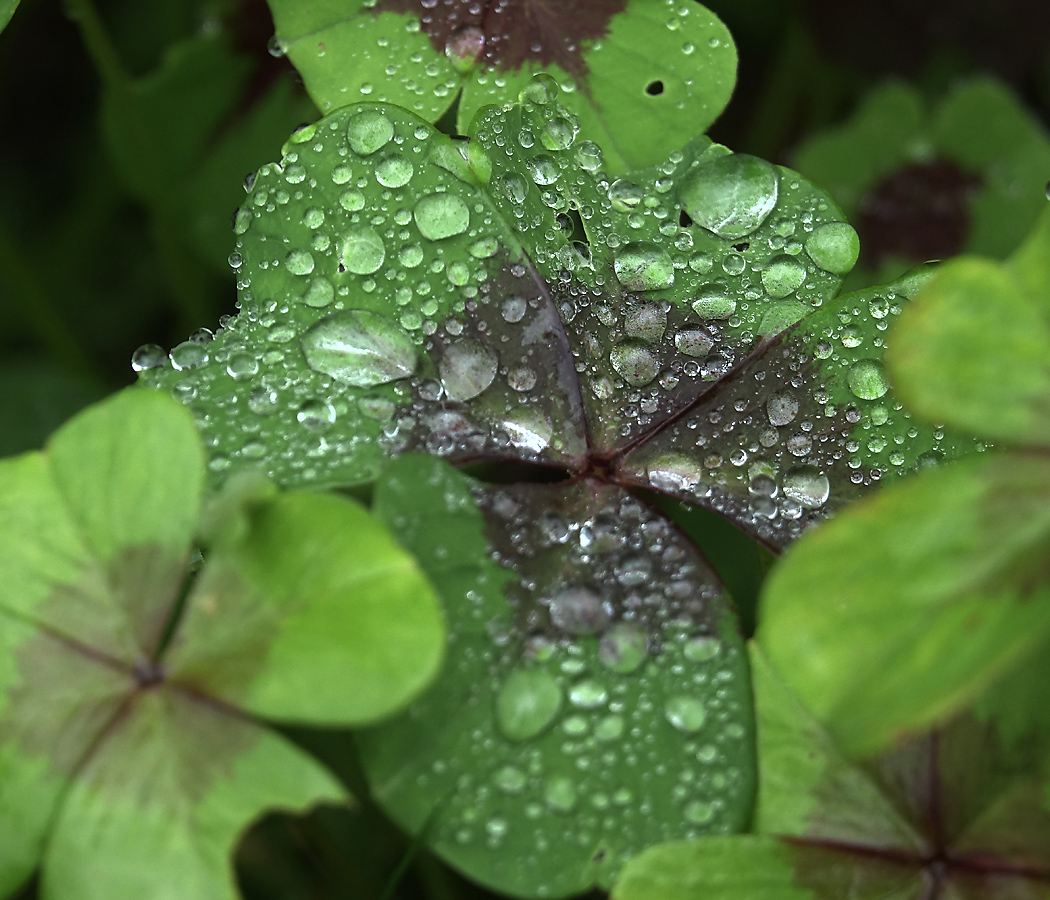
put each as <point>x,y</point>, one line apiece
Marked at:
<point>394,171</point>
<point>360,348</point>
<point>646,321</point>
<point>634,362</point>
<point>578,610</point>
<point>368,132</point>
<point>467,368</point>
<point>363,251</point>
<point>441,215</point>
<point>783,276</point>
<point>527,703</point>
<point>149,356</point>
<point>299,262</point>
<point>834,247</point>
<point>588,694</point>
<point>731,195</point>
<point>189,354</point>
<point>808,485</point>
<point>558,133</point>
<point>316,415</point>
<point>625,195</point>
<point>693,343</point>
<point>867,379</point>
<point>510,780</point>
<point>319,293</point>
<point>714,302</point>
<point>560,794</point>
<point>685,713</point>
<point>781,408</point>
<point>623,648</point>
<point>643,267</point>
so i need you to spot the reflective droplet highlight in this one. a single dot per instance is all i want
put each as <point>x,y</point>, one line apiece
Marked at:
<point>867,379</point>
<point>439,216</point>
<point>643,267</point>
<point>368,132</point>
<point>362,251</point>
<point>467,368</point>
<point>731,195</point>
<point>360,348</point>
<point>834,247</point>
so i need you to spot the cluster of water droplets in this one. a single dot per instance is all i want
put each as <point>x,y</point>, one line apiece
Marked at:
<point>613,710</point>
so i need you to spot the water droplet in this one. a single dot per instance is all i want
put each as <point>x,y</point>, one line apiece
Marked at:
<point>609,729</point>
<point>369,131</point>
<point>643,267</point>
<point>694,343</point>
<point>394,171</point>
<point>544,170</point>
<point>514,188</point>
<point>313,217</point>
<point>834,247</point>
<point>623,648</point>
<point>783,276</point>
<point>578,610</point>
<point>646,321</point>
<point>352,201</point>
<point>410,256</point>
<point>320,292</point>
<point>560,794</point>
<point>188,354</point>
<point>687,714</point>
<point>588,694</point>
<point>510,780</point>
<point>242,366</point>
<point>589,156</point>
<point>483,248</point>
<point>242,221</point>
<point>363,251</point>
<point>527,702</point>
<point>781,408</point>
<point>440,216</point>
<point>625,195</point>
<point>807,485</point>
<point>299,262</point>
<point>316,415</point>
<point>782,315</point>
<point>149,356</point>
<point>698,812</point>
<point>360,348</point>
<point>634,362</point>
<point>541,90</point>
<point>731,195</point>
<point>262,401</point>
<point>467,368</point>
<point>713,301</point>
<point>275,46</point>
<point>464,47</point>
<point>702,648</point>
<point>558,133</point>
<point>867,379</point>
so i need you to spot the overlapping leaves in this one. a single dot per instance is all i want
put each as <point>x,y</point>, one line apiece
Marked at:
<point>643,77</point>
<point>131,758</point>
<point>506,299</point>
<point>960,813</point>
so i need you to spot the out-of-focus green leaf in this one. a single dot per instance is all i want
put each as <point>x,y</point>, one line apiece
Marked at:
<point>7,10</point>
<point>908,606</point>
<point>974,353</point>
<point>570,729</point>
<point>642,77</point>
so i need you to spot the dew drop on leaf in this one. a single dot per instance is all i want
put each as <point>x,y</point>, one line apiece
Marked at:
<point>464,46</point>
<point>694,343</point>
<point>731,195</point>
<point>299,262</point>
<point>242,366</point>
<point>440,216</point>
<point>394,171</point>
<point>527,702</point>
<point>588,694</point>
<point>687,714</point>
<point>646,321</point>
<point>867,379</point>
<point>363,251</point>
<point>781,408</point>
<point>808,486</point>
<point>558,133</point>
<point>188,354</point>
<point>360,348</point>
<point>368,132</point>
<point>320,293</point>
<point>316,415</point>
<point>834,247</point>
<point>713,301</point>
<point>623,648</point>
<point>634,362</point>
<point>578,610</point>
<point>559,794</point>
<point>783,276</point>
<point>467,368</point>
<point>641,266</point>
<point>149,356</point>
<point>625,195</point>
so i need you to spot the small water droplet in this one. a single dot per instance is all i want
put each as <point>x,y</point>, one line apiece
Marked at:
<point>514,309</point>
<point>578,610</point>
<point>320,292</point>
<point>363,251</point>
<point>687,714</point>
<point>440,216</point>
<point>714,302</point>
<point>807,485</point>
<point>316,415</point>
<point>589,156</point>
<point>783,276</point>
<point>623,648</point>
<point>701,648</point>
<point>149,356</point>
<point>834,247</point>
<point>646,321</point>
<point>188,354</point>
<point>527,703</point>
<point>467,368</point>
<point>588,694</point>
<point>642,266</point>
<point>867,379</point>
<point>242,366</point>
<point>510,780</point>
<point>694,343</point>
<point>299,262</point>
<point>782,408</point>
<point>368,132</point>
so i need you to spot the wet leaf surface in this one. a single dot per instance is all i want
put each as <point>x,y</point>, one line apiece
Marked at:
<point>960,813</point>
<point>642,77</point>
<point>597,697</point>
<point>508,301</point>
<point>130,757</point>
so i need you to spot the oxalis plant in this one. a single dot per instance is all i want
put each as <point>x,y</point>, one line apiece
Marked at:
<point>509,327</point>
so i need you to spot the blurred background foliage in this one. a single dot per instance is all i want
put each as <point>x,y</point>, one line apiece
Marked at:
<point>129,127</point>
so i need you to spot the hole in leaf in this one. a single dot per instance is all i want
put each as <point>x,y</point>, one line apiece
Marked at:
<point>742,246</point>
<point>654,88</point>
<point>684,219</point>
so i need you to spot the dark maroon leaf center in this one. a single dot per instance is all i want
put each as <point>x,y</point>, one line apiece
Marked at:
<point>508,34</point>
